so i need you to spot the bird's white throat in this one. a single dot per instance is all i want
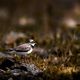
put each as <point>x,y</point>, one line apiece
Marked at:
<point>32,44</point>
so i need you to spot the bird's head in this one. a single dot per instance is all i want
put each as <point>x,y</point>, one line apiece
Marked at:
<point>32,42</point>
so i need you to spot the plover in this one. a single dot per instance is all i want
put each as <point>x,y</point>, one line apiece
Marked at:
<point>23,49</point>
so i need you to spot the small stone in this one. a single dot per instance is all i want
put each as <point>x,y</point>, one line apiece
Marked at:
<point>10,79</point>
<point>41,52</point>
<point>33,69</point>
<point>16,72</point>
<point>7,63</point>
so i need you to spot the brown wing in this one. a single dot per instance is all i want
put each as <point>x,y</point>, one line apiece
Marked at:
<point>23,48</point>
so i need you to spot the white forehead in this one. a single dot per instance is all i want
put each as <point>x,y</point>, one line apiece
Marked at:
<point>31,40</point>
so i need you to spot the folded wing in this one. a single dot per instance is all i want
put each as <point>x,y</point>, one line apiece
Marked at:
<point>23,48</point>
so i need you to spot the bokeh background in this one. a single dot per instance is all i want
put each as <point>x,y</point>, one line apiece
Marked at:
<point>48,22</point>
<point>39,17</point>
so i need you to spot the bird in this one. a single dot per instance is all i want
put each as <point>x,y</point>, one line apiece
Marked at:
<point>23,49</point>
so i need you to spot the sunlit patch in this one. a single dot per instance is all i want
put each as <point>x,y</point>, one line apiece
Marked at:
<point>24,21</point>
<point>70,23</point>
<point>67,70</point>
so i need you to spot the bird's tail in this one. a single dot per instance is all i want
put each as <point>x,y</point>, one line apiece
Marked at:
<point>10,50</point>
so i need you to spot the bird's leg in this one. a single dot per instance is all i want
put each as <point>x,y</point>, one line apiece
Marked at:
<point>27,59</point>
<point>23,59</point>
